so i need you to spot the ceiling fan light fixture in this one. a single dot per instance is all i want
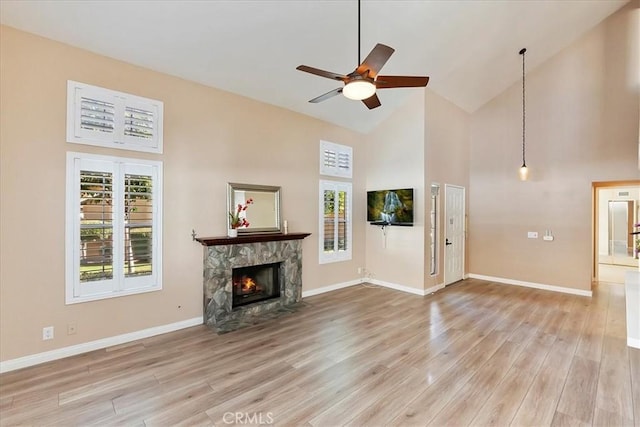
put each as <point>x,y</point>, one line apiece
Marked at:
<point>359,90</point>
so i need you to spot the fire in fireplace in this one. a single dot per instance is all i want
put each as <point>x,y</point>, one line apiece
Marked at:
<point>255,283</point>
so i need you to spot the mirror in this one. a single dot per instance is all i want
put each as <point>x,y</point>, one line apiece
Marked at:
<point>263,214</point>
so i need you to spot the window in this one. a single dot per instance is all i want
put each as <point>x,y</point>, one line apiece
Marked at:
<point>336,160</point>
<point>335,221</point>
<point>114,241</point>
<point>103,117</point>
<point>435,191</point>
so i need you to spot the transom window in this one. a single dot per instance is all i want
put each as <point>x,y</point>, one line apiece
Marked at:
<point>107,118</point>
<point>336,160</point>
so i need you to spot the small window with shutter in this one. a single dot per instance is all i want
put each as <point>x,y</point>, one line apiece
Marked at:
<point>107,118</point>
<point>336,160</point>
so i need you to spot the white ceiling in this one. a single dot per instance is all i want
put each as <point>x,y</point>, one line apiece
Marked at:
<point>468,48</point>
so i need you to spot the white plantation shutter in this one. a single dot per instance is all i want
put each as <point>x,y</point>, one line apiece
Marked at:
<point>335,221</point>
<point>96,117</point>
<point>336,160</point>
<point>103,117</point>
<point>114,231</point>
<point>140,122</point>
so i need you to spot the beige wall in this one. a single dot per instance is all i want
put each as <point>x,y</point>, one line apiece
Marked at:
<point>210,138</point>
<point>582,126</point>
<point>424,142</point>
<point>447,162</point>
<point>395,159</point>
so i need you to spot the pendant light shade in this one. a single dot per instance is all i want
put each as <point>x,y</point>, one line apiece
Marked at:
<point>524,171</point>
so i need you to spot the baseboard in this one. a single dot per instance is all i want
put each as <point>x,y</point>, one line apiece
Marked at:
<point>397,287</point>
<point>318,291</point>
<point>633,342</point>
<point>433,289</point>
<point>60,353</point>
<point>532,285</point>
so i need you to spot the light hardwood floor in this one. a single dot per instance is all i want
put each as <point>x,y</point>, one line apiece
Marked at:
<point>476,353</point>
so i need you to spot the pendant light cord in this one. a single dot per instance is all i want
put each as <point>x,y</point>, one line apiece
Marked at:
<point>523,110</point>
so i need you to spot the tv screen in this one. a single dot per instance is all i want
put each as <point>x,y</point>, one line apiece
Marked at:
<point>392,207</point>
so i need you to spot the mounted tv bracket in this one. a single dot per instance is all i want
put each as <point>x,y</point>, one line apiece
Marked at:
<point>382,224</point>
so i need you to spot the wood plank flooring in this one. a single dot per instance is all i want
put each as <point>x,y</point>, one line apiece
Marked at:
<point>475,353</point>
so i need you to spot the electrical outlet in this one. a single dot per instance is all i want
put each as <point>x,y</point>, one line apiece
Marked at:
<point>47,333</point>
<point>72,328</point>
<point>532,234</point>
<point>359,270</point>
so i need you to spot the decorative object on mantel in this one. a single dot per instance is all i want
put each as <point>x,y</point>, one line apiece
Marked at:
<point>235,220</point>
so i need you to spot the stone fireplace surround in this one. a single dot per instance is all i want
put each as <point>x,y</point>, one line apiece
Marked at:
<point>222,254</point>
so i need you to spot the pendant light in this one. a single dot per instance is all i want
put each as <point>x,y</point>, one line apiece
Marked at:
<point>524,171</point>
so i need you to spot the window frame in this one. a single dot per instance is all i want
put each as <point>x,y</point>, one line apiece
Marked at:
<point>122,102</point>
<point>340,151</point>
<point>434,216</point>
<point>119,285</point>
<point>336,255</point>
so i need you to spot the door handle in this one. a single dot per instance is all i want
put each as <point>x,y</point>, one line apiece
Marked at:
<point>447,242</point>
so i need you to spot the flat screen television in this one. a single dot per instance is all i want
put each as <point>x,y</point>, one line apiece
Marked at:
<point>390,207</point>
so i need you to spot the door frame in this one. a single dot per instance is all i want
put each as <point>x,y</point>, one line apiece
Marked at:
<point>595,202</point>
<point>444,231</point>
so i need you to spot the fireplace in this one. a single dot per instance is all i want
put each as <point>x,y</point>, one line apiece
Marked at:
<point>224,255</point>
<point>255,283</point>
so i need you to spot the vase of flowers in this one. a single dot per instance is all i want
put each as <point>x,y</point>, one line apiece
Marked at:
<point>237,219</point>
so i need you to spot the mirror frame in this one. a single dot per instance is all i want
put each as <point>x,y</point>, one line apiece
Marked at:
<point>234,186</point>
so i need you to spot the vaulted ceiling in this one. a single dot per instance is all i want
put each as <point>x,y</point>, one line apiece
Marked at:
<point>251,48</point>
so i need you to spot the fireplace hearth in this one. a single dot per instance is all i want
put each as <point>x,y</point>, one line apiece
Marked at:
<point>255,283</point>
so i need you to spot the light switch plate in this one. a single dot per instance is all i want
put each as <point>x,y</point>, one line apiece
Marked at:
<point>532,234</point>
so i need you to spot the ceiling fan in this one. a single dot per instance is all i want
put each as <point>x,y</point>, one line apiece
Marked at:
<point>362,83</point>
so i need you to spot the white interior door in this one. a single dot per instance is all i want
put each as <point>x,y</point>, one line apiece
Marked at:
<point>454,234</point>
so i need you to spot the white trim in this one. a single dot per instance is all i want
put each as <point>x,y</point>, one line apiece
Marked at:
<point>335,255</point>
<point>403,288</point>
<point>340,151</point>
<point>119,285</point>
<point>633,342</point>
<point>542,286</point>
<point>325,289</point>
<point>60,353</point>
<point>434,289</point>
<point>121,102</point>
<point>395,286</point>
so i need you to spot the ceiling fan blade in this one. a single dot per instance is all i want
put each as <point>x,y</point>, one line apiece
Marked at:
<point>327,95</point>
<point>387,82</point>
<point>376,59</point>
<point>322,73</point>
<point>372,102</point>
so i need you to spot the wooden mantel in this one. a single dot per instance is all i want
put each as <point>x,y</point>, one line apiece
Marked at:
<point>249,238</point>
